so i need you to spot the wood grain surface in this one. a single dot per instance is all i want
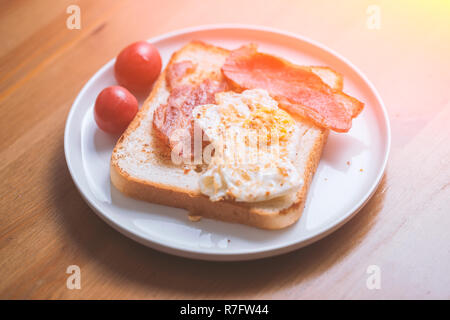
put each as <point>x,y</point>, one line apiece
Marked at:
<point>45,225</point>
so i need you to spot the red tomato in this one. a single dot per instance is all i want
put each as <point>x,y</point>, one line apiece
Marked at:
<point>137,67</point>
<point>114,109</point>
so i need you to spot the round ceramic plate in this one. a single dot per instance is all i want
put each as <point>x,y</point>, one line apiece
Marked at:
<point>350,169</point>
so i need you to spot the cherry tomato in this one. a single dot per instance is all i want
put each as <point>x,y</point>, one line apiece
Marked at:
<point>137,67</point>
<point>114,109</point>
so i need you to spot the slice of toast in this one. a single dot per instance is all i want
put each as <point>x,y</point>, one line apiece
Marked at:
<point>142,168</point>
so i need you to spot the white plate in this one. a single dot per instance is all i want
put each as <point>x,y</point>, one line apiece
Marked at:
<point>337,192</point>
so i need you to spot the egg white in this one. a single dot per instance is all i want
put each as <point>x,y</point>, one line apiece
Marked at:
<point>255,146</point>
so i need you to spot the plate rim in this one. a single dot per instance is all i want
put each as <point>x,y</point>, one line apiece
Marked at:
<point>236,255</point>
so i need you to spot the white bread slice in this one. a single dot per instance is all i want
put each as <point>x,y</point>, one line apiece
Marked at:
<point>141,166</point>
<point>333,79</point>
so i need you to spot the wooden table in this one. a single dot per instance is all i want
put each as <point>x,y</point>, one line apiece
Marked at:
<point>46,226</point>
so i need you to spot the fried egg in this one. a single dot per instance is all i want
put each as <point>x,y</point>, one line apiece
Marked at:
<point>255,145</point>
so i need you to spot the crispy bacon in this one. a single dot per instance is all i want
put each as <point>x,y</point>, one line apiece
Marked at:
<point>298,90</point>
<point>176,116</point>
<point>177,71</point>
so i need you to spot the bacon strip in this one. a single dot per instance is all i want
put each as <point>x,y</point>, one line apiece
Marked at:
<point>175,116</point>
<point>177,71</point>
<point>297,89</point>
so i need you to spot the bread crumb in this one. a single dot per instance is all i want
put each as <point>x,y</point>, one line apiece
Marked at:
<point>194,218</point>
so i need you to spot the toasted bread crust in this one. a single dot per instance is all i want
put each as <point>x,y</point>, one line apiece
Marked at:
<point>199,204</point>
